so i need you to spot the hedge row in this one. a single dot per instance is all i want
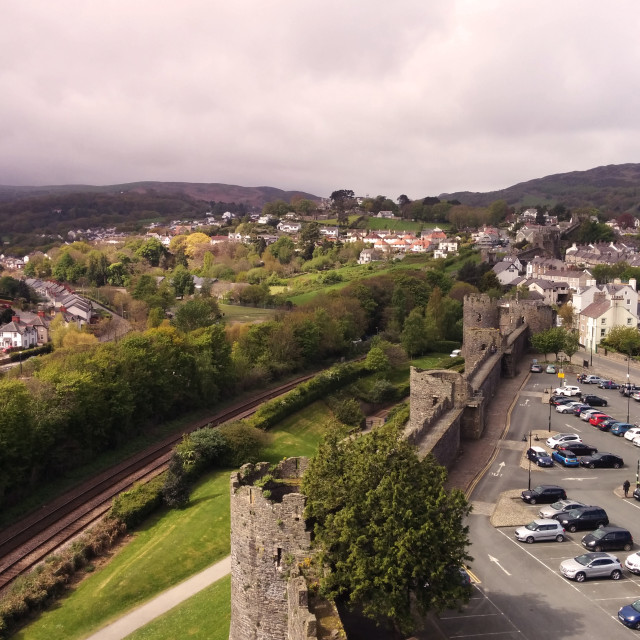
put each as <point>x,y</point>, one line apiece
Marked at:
<point>33,591</point>
<point>27,353</point>
<point>134,506</point>
<point>276,410</point>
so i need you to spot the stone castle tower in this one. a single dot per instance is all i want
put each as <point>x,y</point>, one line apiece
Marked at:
<point>481,329</point>
<point>268,539</point>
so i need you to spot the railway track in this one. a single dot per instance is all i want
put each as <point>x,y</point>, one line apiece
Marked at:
<point>25,543</point>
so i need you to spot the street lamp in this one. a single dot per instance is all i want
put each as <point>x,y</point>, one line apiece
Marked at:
<point>628,386</point>
<point>550,405</point>
<point>529,485</point>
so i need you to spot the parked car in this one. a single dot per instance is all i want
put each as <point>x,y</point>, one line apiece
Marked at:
<point>550,369</point>
<point>597,418</point>
<point>591,379</point>
<point>620,428</point>
<point>567,407</point>
<point>594,401</point>
<point>587,413</point>
<point>536,368</point>
<point>632,433</point>
<point>565,458</point>
<point>455,353</point>
<point>562,438</point>
<point>636,441</point>
<point>567,391</point>
<point>579,448</point>
<point>544,493</point>
<point>559,400</point>
<point>636,396</point>
<point>579,408</point>
<point>605,425</point>
<point>636,493</point>
<point>591,565</point>
<point>608,384</point>
<point>602,461</point>
<point>539,456</point>
<point>583,518</point>
<point>629,615</point>
<point>538,530</point>
<point>558,508</point>
<point>609,537</point>
<point>628,389</point>
<point>633,563</point>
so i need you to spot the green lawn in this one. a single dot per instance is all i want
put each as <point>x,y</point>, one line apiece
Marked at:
<point>236,313</point>
<point>170,547</point>
<point>205,616</point>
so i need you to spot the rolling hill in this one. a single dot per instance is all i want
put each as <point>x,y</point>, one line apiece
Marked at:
<point>613,188</point>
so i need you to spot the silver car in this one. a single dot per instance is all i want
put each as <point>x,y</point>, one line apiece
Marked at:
<point>536,530</point>
<point>592,565</point>
<point>552,510</point>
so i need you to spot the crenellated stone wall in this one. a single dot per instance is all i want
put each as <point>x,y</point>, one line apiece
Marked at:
<point>269,538</point>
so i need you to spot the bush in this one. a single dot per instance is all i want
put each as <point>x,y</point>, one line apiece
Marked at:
<point>445,346</point>
<point>244,441</point>
<point>16,356</point>
<point>133,506</point>
<point>348,411</point>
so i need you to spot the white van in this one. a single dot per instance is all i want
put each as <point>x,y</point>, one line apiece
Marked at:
<point>455,353</point>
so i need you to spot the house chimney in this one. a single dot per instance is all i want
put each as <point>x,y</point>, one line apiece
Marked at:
<point>41,314</point>
<point>15,318</point>
<point>63,309</point>
<point>633,284</point>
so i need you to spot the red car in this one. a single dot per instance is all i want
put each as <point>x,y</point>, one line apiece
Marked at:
<point>597,418</point>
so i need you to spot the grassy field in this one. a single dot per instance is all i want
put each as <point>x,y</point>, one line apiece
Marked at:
<point>170,547</point>
<point>235,313</point>
<point>205,616</point>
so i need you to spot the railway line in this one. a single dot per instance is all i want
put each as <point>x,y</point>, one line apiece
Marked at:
<point>25,543</point>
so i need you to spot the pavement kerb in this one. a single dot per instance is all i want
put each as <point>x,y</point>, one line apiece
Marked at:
<point>493,456</point>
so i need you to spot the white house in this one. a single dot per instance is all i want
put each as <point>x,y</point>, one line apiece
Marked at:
<point>18,334</point>
<point>289,227</point>
<point>506,272</point>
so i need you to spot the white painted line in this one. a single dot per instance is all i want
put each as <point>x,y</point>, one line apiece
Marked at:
<point>566,424</point>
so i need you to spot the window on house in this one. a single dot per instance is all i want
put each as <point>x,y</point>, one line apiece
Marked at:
<point>628,320</point>
<point>602,332</point>
<point>604,321</point>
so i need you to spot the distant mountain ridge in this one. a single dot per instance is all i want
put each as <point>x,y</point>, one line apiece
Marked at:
<point>207,191</point>
<point>613,188</point>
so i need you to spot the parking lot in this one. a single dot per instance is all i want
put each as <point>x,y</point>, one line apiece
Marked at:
<point>520,591</point>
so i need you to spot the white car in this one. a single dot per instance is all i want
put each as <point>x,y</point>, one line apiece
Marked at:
<point>562,438</point>
<point>636,441</point>
<point>632,433</point>
<point>586,415</point>
<point>567,391</point>
<point>567,408</point>
<point>633,562</point>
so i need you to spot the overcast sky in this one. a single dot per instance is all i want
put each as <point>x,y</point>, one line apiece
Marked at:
<point>385,98</point>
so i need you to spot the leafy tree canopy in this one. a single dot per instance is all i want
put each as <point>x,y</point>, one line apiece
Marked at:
<point>389,530</point>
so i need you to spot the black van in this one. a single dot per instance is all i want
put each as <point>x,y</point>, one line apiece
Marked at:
<point>608,539</point>
<point>584,518</point>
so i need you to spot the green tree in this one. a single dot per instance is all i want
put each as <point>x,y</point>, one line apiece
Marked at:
<point>376,360</point>
<point>571,344</point>
<point>540,342</point>
<point>389,529</point>
<point>197,313</point>
<point>152,251</point>
<point>624,339</point>
<point>283,249</point>
<point>182,281</point>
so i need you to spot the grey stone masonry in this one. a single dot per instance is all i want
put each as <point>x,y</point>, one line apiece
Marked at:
<point>268,539</point>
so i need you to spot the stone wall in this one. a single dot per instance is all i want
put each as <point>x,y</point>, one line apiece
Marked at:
<point>301,622</point>
<point>268,538</point>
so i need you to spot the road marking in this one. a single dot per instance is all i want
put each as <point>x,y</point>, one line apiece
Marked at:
<point>498,563</point>
<point>498,473</point>
<point>473,576</point>
<point>566,424</point>
<point>581,479</point>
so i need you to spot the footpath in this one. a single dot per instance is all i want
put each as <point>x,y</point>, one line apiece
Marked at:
<point>475,458</point>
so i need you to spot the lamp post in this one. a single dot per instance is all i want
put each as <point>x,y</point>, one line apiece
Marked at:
<point>628,385</point>
<point>529,485</point>
<point>550,405</point>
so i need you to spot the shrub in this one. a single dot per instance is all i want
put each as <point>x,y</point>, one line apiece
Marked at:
<point>348,411</point>
<point>245,443</point>
<point>133,506</point>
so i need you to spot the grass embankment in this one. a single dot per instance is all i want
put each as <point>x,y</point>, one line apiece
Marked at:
<point>170,547</point>
<point>235,313</point>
